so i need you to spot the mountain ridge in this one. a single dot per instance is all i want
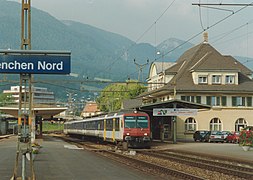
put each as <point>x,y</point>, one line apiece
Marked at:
<point>96,53</point>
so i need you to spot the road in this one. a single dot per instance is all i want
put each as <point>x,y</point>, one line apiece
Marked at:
<point>60,160</point>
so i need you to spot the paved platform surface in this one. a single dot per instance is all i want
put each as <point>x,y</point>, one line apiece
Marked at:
<point>229,150</point>
<point>59,160</point>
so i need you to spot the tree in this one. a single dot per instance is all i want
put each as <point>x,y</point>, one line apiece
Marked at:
<point>6,99</point>
<point>113,95</point>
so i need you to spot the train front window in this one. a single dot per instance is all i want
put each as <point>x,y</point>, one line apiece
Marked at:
<point>130,122</point>
<point>136,121</point>
<point>142,122</point>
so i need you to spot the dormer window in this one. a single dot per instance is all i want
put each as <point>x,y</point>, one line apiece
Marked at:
<point>216,79</point>
<point>202,79</point>
<point>230,79</point>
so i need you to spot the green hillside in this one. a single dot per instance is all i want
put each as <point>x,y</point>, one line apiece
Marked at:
<point>96,54</point>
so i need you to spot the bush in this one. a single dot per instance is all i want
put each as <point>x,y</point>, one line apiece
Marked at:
<point>246,137</point>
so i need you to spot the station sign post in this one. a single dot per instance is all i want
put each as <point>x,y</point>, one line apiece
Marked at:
<point>26,63</point>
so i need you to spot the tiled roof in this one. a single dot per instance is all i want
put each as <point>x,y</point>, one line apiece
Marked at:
<point>90,107</point>
<point>204,57</point>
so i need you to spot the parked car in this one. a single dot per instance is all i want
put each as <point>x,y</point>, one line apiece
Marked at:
<point>225,133</point>
<point>233,137</point>
<point>216,136</point>
<point>201,135</point>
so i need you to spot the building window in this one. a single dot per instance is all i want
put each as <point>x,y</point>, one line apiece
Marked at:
<point>213,100</point>
<point>190,124</point>
<point>240,123</point>
<point>224,101</point>
<point>215,124</point>
<point>249,101</point>
<point>230,79</point>
<point>202,79</point>
<point>188,98</point>
<point>238,101</point>
<point>198,99</point>
<point>216,79</point>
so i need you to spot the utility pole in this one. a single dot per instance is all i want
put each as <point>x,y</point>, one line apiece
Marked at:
<point>140,67</point>
<point>25,114</point>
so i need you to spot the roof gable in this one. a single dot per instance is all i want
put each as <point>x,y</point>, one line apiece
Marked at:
<point>91,107</point>
<point>204,57</point>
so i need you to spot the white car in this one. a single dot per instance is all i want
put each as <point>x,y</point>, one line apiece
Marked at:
<point>216,136</point>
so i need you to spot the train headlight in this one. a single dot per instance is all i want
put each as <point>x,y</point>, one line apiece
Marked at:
<point>145,134</point>
<point>127,134</point>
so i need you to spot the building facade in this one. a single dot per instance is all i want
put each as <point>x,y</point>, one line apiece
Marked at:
<point>40,95</point>
<point>204,76</point>
<point>91,109</point>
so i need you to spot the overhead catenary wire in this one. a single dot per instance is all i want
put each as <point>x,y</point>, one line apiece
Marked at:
<point>213,25</point>
<point>204,29</point>
<point>137,40</point>
<point>223,35</point>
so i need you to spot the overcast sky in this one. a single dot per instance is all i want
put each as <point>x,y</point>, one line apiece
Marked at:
<point>131,18</point>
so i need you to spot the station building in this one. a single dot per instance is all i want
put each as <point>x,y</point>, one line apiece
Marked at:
<point>218,86</point>
<point>40,95</point>
<point>44,105</point>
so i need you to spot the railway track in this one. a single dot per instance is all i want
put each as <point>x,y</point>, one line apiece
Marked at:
<point>211,165</point>
<point>109,152</point>
<point>159,166</point>
<point>149,167</point>
<point>218,158</point>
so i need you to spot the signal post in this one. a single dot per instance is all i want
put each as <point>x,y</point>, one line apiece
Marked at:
<point>26,62</point>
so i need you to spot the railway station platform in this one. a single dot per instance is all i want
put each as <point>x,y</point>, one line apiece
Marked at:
<point>225,150</point>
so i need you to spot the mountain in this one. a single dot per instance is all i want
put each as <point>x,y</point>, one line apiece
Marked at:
<point>95,53</point>
<point>170,45</point>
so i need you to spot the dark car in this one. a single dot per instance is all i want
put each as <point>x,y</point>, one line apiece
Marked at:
<point>201,135</point>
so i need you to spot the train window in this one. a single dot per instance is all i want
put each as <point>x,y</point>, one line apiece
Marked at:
<point>98,125</point>
<point>142,122</point>
<point>130,121</point>
<point>109,124</point>
<point>117,124</point>
<point>101,125</point>
<point>80,125</point>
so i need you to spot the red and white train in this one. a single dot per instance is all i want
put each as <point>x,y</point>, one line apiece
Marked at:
<point>132,127</point>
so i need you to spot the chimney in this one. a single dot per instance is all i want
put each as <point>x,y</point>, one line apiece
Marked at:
<point>205,36</point>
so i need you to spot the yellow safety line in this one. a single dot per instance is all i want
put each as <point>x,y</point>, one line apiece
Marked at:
<point>104,129</point>
<point>113,130</point>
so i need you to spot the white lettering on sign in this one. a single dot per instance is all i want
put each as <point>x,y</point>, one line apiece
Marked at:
<point>16,65</point>
<point>50,66</point>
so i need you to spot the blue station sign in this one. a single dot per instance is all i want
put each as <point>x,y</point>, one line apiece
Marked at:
<point>35,63</point>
